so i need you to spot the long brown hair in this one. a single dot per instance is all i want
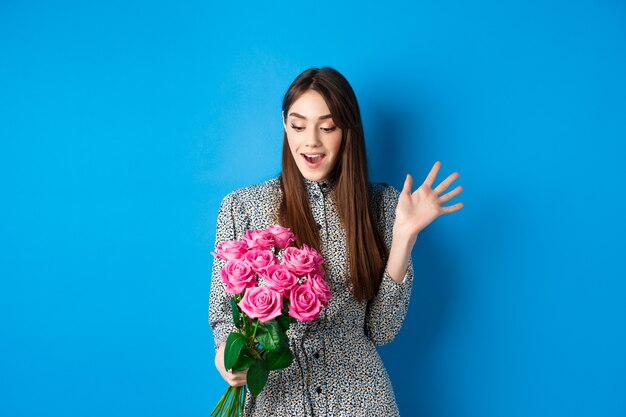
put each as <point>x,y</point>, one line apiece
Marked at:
<point>365,245</point>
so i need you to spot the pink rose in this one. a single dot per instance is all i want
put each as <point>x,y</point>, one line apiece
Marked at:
<point>231,249</point>
<point>258,239</point>
<point>238,275</point>
<point>283,236</point>
<point>319,287</point>
<point>280,279</point>
<point>303,303</point>
<point>259,260</point>
<point>317,272</point>
<point>262,303</point>
<point>302,261</point>
<point>319,259</point>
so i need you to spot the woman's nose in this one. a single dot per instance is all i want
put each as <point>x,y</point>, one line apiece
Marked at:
<point>313,138</point>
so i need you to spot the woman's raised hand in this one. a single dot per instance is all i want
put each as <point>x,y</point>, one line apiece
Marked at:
<point>417,209</point>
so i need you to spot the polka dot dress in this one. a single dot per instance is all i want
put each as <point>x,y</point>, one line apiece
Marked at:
<point>336,370</point>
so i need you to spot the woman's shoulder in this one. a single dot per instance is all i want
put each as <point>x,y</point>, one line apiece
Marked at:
<point>258,194</point>
<point>383,192</point>
<point>383,202</point>
<point>267,186</point>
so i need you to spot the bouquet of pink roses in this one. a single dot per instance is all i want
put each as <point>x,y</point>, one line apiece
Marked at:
<point>293,289</point>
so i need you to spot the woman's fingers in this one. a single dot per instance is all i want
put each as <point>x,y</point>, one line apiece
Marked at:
<point>237,379</point>
<point>408,184</point>
<point>446,183</point>
<point>453,208</point>
<point>432,175</point>
<point>448,196</point>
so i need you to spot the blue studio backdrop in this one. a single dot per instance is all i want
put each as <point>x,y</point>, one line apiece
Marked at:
<point>124,124</point>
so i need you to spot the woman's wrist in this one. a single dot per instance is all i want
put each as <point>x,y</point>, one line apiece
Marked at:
<point>404,241</point>
<point>399,255</point>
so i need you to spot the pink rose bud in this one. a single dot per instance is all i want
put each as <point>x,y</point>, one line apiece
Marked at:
<point>262,303</point>
<point>231,249</point>
<point>258,239</point>
<point>303,303</point>
<point>259,260</point>
<point>300,261</point>
<point>238,275</point>
<point>319,287</point>
<point>283,236</point>
<point>280,279</point>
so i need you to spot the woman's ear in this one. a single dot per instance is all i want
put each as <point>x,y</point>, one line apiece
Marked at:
<point>282,116</point>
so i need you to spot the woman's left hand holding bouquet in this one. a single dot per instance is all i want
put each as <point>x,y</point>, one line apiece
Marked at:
<point>266,296</point>
<point>234,379</point>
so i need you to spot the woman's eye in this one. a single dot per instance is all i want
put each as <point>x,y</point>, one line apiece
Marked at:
<point>297,128</point>
<point>329,129</point>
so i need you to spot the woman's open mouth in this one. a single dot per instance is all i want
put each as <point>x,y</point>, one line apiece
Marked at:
<point>313,160</point>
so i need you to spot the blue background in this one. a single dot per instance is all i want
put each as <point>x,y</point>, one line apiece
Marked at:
<point>123,124</point>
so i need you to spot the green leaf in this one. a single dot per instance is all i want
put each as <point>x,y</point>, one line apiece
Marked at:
<point>257,376</point>
<point>243,363</point>
<point>249,327</point>
<point>280,359</point>
<point>234,344</point>
<point>235,309</point>
<point>271,336</point>
<point>284,322</point>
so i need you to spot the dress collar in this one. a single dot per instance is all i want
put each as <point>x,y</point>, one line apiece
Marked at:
<point>323,186</point>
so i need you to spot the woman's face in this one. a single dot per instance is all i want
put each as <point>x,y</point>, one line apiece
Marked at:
<point>313,137</point>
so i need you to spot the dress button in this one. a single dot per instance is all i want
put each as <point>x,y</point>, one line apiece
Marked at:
<point>319,390</point>
<point>316,355</point>
<point>319,226</point>
<point>324,185</point>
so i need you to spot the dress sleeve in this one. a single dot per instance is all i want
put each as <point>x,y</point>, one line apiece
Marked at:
<point>230,225</point>
<point>386,311</point>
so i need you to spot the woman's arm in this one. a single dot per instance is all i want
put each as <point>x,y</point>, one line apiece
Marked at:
<point>385,312</point>
<point>229,225</point>
<point>399,256</point>
<point>413,212</point>
<point>220,315</point>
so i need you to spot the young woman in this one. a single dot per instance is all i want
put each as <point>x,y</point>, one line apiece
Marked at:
<point>364,231</point>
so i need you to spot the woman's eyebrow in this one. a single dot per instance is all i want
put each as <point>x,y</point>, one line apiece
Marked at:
<point>326,116</point>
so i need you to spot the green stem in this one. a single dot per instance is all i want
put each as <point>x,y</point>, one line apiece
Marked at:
<point>231,404</point>
<point>255,327</point>
<point>237,404</point>
<point>220,404</point>
<point>229,407</point>
<point>243,402</point>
